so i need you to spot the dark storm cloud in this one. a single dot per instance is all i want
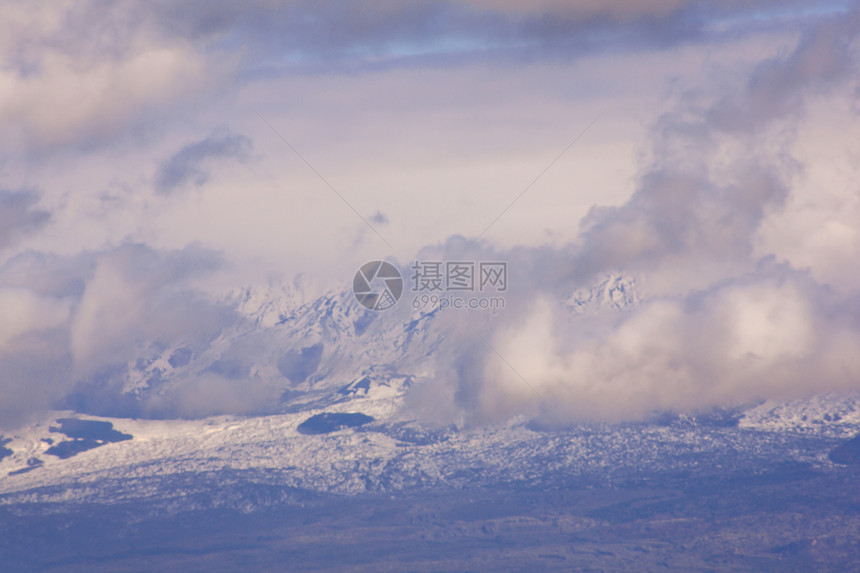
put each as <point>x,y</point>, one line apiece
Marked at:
<point>192,164</point>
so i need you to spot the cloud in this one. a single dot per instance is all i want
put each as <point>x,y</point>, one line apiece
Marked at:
<point>72,325</point>
<point>136,295</point>
<point>207,394</point>
<point>48,275</point>
<point>379,218</point>
<point>81,73</point>
<point>19,215</point>
<point>777,87</point>
<point>192,163</point>
<point>330,30</point>
<point>719,169</point>
<point>24,311</point>
<point>767,335</point>
<point>720,324</point>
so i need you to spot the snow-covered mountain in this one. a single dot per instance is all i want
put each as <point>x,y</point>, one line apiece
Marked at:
<point>293,351</point>
<point>336,378</point>
<point>282,353</point>
<point>615,291</point>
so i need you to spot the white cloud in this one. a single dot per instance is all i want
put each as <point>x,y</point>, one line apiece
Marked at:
<point>742,342</point>
<point>25,312</point>
<point>721,323</point>
<point>67,320</point>
<point>79,73</point>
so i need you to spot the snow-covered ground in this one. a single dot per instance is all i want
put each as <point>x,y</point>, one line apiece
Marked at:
<point>383,455</point>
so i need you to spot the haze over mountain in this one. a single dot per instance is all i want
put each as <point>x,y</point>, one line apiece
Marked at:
<point>732,308</point>
<point>187,190</point>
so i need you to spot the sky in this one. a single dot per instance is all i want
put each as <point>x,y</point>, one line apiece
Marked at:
<point>155,156</point>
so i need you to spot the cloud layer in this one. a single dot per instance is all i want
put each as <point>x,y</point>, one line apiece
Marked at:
<point>71,322</point>
<point>721,324</point>
<point>85,73</point>
<point>19,215</point>
<point>102,109</point>
<point>192,163</point>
